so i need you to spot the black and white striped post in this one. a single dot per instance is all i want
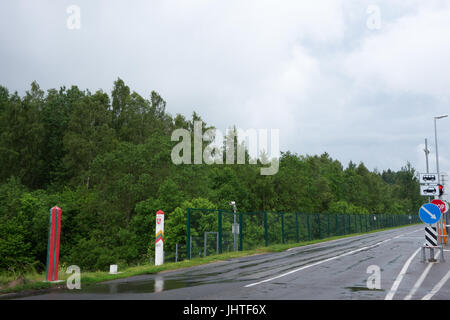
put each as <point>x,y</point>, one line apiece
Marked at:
<point>431,242</point>
<point>431,238</point>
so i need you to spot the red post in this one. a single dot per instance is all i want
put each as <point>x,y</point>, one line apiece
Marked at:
<point>54,231</point>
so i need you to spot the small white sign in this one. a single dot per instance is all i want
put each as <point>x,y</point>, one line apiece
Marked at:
<point>113,269</point>
<point>428,178</point>
<point>429,190</point>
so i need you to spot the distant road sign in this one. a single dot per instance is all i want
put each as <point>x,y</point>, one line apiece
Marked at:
<point>429,213</point>
<point>430,178</point>
<point>441,204</point>
<point>429,190</point>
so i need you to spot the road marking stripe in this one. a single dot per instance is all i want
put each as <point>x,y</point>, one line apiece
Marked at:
<point>317,263</point>
<point>399,278</point>
<point>437,287</point>
<point>421,279</point>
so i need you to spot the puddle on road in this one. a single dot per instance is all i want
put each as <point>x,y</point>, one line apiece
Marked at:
<point>147,286</point>
<point>356,289</point>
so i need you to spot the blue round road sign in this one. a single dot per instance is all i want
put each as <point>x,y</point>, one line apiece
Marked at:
<point>429,213</point>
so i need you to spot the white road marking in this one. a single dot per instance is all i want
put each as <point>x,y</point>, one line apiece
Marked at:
<point>325,260</point>
<point>437,287</point>
<point>414,238</point>
<point>421,279</point>
<point>399,278</point>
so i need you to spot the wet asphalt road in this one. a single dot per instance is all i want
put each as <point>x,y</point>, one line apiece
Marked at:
<point>331,270</point>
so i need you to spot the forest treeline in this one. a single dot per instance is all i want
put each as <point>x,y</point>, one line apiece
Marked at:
<point>105,159</point>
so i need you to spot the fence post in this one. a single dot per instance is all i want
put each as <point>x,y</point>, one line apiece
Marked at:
<point>266,233</point>
<point>309,227</point>
<point>241,230</point>
<point>296,228</point>
<point>337,225</point>
<point>318,222</point>
<point>360,223</point>
<point>328,215</point>
<point>188,234</point>
<point>343,220</point>
<point>349,224</point>
<point>282,227</point>
<point>219,230</point>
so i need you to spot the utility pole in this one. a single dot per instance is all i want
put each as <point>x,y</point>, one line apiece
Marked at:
<point>437,154</point>
<point>427,152</point>
<point>437,168</point>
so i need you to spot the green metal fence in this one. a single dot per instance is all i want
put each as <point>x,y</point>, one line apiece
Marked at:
<point>258,229</point>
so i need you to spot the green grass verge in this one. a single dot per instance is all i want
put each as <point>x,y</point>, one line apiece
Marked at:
<point>35,281</point>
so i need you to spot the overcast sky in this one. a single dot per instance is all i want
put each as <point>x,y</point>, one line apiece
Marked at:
<point>361,80</point>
